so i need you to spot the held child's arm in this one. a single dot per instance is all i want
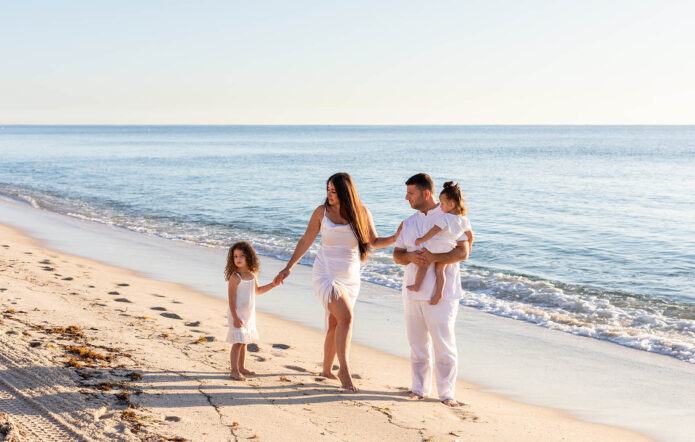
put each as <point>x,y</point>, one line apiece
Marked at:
<point>265,288</point>
<point>379,242</point>
<point>231,294</point>
<point>469,234</point>
<point>312,231</point>
<point>428,236</point>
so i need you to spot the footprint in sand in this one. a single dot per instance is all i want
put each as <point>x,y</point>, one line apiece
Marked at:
<point>114,293</point>
<point>48,269</point>
<point>177,302</point>
<point>90,286</point>
<point>172,419</point>
<point>281,346</point>
<point>192,324</point>
<point>45,261</point>
<point>171,315</point>
<point>68,278</point>
<point>28,253</point>
<point>295,368</point>
<point>161,309</point>
<point>6,246</point>
<point>3,290</point>
<point>356,376</point>
<point>123,300</point>
<point>122,284</point>
<point>253,348</point>
<point>158,296</point>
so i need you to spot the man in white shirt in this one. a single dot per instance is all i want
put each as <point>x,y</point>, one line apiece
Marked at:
<point>427,323</point>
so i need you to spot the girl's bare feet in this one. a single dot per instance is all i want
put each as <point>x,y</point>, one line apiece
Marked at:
<point>346,380</point>
<point>413,288</point>
<point>246,372</point>
<point>328,375</point>
<point>237,376</point>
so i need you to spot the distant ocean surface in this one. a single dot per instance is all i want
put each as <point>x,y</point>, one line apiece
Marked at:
<point>585,229</point>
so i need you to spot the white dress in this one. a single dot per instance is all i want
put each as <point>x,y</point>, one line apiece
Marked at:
<point>246,310</point>
<point>337,264</point>
<point>453,227</point>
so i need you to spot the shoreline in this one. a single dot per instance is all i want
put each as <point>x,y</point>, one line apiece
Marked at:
<point>484,415</point>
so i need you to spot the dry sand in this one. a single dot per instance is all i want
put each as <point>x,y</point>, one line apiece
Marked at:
<point>93,352</point>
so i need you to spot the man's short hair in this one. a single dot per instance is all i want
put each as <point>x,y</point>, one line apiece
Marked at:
<point>422,181</point>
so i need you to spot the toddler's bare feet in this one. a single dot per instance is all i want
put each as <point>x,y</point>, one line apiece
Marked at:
<point>237,376</point>
<point>328,375</point>
<point>246,372</point>
<point>413,288</point>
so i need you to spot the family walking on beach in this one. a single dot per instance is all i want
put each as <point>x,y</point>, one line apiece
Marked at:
<point>429,243</point>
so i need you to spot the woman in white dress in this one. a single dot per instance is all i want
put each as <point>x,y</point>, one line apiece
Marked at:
<point>347,235</point>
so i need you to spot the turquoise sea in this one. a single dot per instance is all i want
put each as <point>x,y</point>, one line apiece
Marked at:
<point>584,229</point>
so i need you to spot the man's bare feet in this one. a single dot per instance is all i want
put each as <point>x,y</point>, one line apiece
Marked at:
<point>246,372</point>
<point>451,403</point>
<point>329,375</point>
<point>412,395</point>
<point>346,380</point>
<point>413,288</point>
<point>237,376</point>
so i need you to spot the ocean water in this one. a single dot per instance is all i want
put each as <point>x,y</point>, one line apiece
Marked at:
<point>588,230</point>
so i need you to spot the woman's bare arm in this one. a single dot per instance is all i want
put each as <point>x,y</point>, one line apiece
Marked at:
<point>312,231</point>
<point>380,242</point>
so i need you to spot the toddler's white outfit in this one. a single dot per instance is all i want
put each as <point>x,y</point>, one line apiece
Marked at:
<point>246,310</point>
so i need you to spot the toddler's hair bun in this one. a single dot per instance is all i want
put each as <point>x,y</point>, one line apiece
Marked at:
<point>450,184</point>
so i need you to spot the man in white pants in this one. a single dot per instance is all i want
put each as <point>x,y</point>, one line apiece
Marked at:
<point>426,322</point>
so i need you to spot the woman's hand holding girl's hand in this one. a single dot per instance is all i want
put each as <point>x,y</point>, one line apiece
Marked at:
<point>280,278</point>
<point>238,323</point>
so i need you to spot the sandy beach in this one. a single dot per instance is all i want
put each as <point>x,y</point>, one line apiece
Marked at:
<point>93,352</point>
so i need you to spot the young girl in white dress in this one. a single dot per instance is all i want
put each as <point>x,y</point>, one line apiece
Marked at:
<point>441,238</point>
<point>241,270</point>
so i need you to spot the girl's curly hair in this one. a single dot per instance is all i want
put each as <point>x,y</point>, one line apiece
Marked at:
<point>251,259</point>
<point>452,191</point>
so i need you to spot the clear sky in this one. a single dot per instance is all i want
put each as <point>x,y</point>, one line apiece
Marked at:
<point>350,62</point>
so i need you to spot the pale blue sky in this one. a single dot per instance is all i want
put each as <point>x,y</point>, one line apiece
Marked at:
<point>356,62</point>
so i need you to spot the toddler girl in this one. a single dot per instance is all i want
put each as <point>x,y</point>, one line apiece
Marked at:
<point>242,267</point>
<point>442,238</point>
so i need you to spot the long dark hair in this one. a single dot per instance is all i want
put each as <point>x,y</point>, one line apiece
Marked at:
<point>352,210</point>
<point>452,192</point>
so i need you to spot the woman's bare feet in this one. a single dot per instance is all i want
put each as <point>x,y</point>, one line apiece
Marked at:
<point>237,376</point>
<point>413,288</point>
<point>243,370</point>
<point>346,380</point>
<point>329,375</point>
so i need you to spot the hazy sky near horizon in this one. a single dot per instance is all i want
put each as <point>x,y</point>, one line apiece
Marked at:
<point>357,62</point>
